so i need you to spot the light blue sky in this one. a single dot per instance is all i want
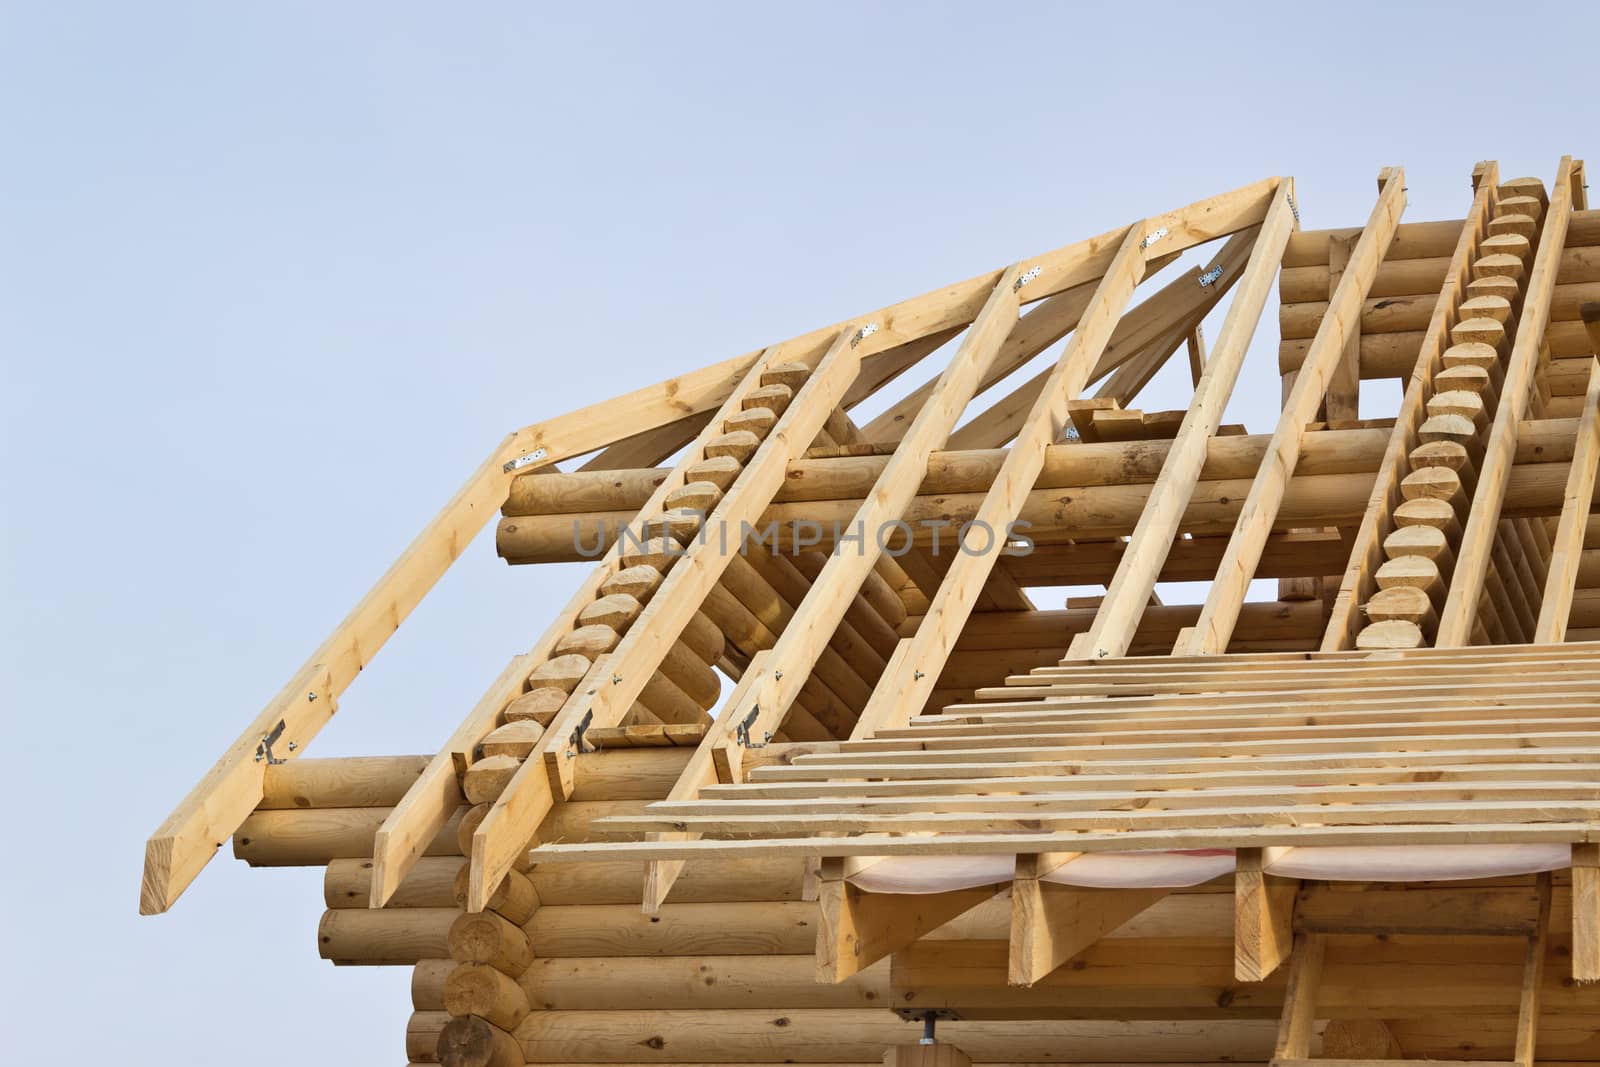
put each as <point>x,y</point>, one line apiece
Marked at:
<point>274,277</point>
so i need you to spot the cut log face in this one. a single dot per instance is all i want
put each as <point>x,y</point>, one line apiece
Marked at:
<point>1354,820</point>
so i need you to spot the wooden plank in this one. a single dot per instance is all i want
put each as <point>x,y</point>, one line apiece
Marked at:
<point>1478,540</point>
<point>896,698</point>
<point>1263,917</point>
<point>1088,841</point>
<point>1128,592</point>
<point>1221,610</point>
<point>1566,551</point>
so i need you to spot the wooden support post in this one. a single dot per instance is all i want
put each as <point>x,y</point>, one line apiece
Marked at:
<point>1050,924</point>
<point>1586,913</point>
<point>1477,542</point>
<point>1263,917</point>
<point>1567,546</point>
<point>1533,978</point>
<point>858,929</point>
<point>1129,590</point>
<point>1300,1000</point>
<point>1344,385</point>
<point>1221,610</point>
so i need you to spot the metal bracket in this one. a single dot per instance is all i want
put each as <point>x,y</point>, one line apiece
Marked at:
<point>525,461</point>
<point>1025,277</point>
<point>1294,208</point>
<point>1153,236</point>
<point>926,1016</point>
<point>862,334</point>
<point>1209,278</point>
<point>741,730</point>
<point>264,749</point>
<point>576,745</point>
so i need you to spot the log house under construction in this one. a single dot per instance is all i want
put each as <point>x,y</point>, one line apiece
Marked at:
<point>847,793</point>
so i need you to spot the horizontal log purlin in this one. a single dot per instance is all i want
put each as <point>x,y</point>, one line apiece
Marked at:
<point>1053,515</point>
<point>1327,451</point>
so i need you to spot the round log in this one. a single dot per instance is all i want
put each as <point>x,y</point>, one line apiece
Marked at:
<point>486,779</point>
<point>590,642</point>
<point>703,638</point>
<point>1478,331</point>
<point>488,938</point>
<point>312,837</point>
<point>1391,314</point>
<point>1402,604</point>
<point>695,496</point>
<point>1412,572</point>
<point>1507,244</point>
<point>622,882</point>
<point>615,610</point>
<point>721,929</point>
<point>1395,277</point>
<point>720,471</point>
<point>561,493</point>
<point>346,782</point>
<point>356,936</point>
<point>773,397</point>
<point>697,983</point>
<point>468,1041</point>
<point>481,990</point>
<point>1471,354</point>
<point>1412,240</point>
<point>347,883</point>
<point>1437,483</point>
<point>1513,222</point>
<point>1470,378</point>
<point>628,773</point>
<point>517,739</point>
<point>427,984</point>
<point>1380,636</point>
<point>1499,266</point>
<point>692,675</point>
<point>540,705</point>
<point>1381,355</point>
<point>561,672</point>
<point>755,420</point>
<point>515,899</point>
<point>422,1036</point>
<point>738,446</point>
<point>1497,308</point>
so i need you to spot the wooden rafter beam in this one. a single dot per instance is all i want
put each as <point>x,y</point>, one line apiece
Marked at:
<point>1378,522</point>
<point>1566,552</point>
<point>896,698</point>
<point>1221,610</point>
<point>503,834</point>
<point>1129,591</point>
<point>185,842</point>
<point>1473,558</point>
